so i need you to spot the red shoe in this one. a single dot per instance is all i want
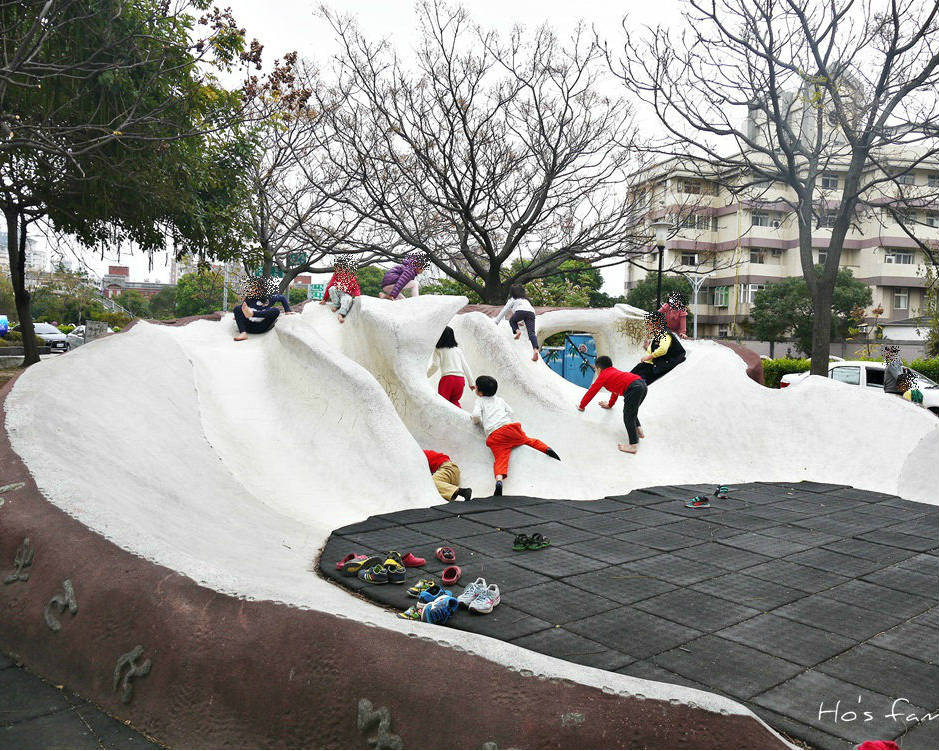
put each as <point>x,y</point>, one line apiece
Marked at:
<point>445,555</point>
<point>451,575</point>
<point>412,561</point>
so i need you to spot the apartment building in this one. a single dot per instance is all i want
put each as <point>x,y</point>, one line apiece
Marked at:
<point>744,242</point>
<point>37,256</point>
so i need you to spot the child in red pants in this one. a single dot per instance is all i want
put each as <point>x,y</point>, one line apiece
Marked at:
<point>454,371</point>
<point>504,433</point>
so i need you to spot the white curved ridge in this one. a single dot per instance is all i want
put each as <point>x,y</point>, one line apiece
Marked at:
<point>231,462</point>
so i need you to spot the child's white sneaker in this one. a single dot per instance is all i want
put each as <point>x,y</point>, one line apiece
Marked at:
<point>472,591</point>
<point>486,600</point>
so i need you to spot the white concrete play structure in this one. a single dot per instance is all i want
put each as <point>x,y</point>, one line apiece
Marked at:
<point>232,462</point>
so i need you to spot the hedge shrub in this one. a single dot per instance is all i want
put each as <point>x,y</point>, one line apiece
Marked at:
<point>928,366</point>
<point>774,370</point>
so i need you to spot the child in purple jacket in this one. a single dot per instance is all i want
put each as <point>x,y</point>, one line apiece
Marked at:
<point>403,277</point>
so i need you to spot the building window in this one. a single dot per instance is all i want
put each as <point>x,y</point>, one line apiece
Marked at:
<point>906,217</point>
<point>900,257</point>
<point>689,259</point>
<point>901,298</point>
<point>905,178</point>
<point>748,292</point>
<point>766,219</point>
<point>822,256</point>
<point>827,220</point>
<point>932,180</point>
<point>698,221</point>
<point>723,330</point>
<point>719,297</point>
<point>931,219</point>
<point>757,256</point>
<point>695,187</point>
<point>830,181</point>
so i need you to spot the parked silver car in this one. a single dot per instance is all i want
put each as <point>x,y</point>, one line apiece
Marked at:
<point>50,335</point>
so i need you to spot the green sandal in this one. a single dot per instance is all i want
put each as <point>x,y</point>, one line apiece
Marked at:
<point>537,541</point>
<point>521,542</point>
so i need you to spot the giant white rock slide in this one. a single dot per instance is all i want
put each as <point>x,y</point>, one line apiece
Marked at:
<point>231,462</point>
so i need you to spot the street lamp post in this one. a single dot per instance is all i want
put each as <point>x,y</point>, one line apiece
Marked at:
<point>660,227</point>
<point>697,281</point>
<point>225,286</point>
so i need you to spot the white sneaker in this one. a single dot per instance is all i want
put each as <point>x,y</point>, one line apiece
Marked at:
<point>486,600</point>
<point>472,591</point>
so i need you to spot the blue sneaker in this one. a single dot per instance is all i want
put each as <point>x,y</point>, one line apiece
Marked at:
<point>440,610</point>
<point>432,593</point>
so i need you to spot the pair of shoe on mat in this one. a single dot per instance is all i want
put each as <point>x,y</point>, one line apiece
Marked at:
<point>702,501</point>
<point>535,541</point>
<point>451,574</point>
<point>376,569</point>
<point>437,605</point>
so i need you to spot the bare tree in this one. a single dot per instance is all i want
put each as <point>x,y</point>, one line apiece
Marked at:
<point>772,93</point>
<point>485,150</point>
<point>297,221</point>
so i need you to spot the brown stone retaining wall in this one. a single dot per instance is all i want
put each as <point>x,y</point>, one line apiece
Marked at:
<point>227,673</point>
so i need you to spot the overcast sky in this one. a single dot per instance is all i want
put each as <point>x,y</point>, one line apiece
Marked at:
<point>285,25</point>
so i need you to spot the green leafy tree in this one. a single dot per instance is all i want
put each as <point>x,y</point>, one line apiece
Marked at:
<point>65,296</point>
<point>446,286</point>
<point>774,310</point>
<point>116,127</point>
<point>575,285</point>
<point>643,295</point>
<point>296,295</point>
<point>200,293</point>
<point>370,279</point>
<point>931,311</point>
<point>47,305</point>
<point>135,302</point>
<point>786,309</point>
<point>163,303</point>
<point>7,300</point>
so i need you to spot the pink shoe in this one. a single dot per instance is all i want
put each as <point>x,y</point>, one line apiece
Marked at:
<point>451,575</point>
<point>445,555</point>
<point>412,561</point>
<point>340,565</point>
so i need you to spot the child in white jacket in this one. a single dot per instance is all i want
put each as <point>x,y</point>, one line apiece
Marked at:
<point>454,371</point>
<point>519,308</point>
<point>503,432</point>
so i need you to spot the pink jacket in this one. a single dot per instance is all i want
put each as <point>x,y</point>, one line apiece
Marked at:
<point>674,319</point>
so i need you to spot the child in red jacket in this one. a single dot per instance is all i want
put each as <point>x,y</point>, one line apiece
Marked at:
<point>633,390</point>
<point>343,287</point>
<point>446,476</point>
